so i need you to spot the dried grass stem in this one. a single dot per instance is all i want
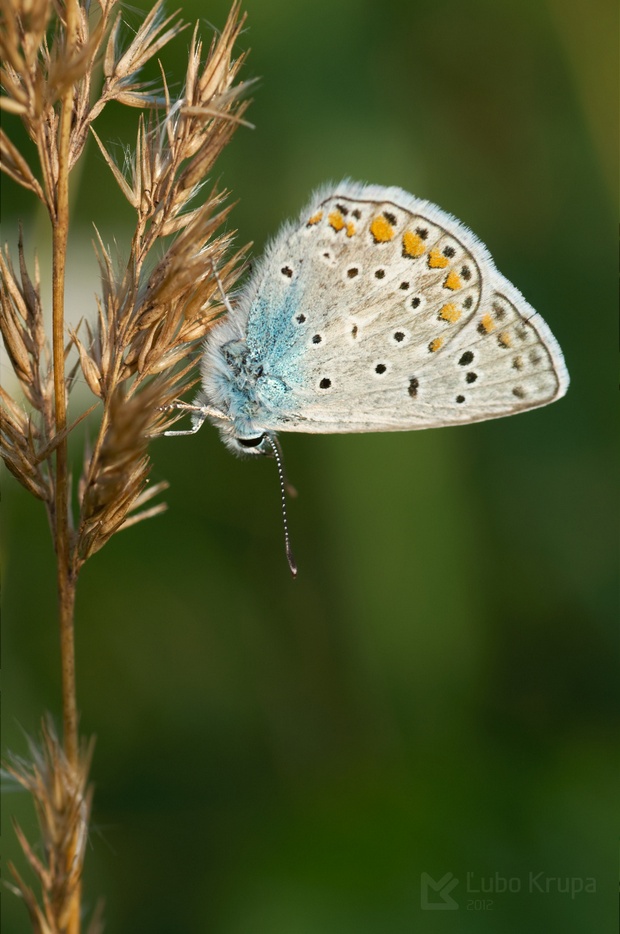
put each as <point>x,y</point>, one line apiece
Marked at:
<point>153,311</point>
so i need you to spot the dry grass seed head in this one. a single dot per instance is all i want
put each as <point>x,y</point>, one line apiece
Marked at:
<point>116,473</point>
<point>62,801</point>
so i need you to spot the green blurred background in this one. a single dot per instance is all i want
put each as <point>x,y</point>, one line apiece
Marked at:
<point>436,692</point>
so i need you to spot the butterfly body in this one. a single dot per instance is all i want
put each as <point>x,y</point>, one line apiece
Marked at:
<point>375,311</point>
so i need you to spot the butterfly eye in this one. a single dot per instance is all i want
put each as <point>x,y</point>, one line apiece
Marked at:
<point>250,442</point>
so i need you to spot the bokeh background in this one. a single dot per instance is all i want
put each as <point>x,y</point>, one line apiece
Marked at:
<point>436,691</point>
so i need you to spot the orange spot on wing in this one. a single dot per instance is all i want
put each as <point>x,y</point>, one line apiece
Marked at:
<point>453,281</point>
<point>436,260</point>
<point>336,220</point>
<point>435,344</point>
<point>504,339</point>
<point>381,230</point>
<point>350,228</point>
<point>450,313</point>
<point>413,245</point>
<point>314,219</point>
<point>487,324</point>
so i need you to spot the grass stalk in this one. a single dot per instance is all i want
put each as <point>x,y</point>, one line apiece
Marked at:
<point>136,358</point>
<point>66,581</point>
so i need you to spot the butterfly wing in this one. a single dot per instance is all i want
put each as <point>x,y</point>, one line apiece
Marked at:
<point>378,311</point>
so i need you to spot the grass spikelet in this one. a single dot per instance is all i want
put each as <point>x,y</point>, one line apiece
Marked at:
<point>62,800</point>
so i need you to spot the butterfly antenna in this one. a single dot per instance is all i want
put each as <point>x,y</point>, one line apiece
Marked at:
<point>225,298</point>
<point>277,453</point>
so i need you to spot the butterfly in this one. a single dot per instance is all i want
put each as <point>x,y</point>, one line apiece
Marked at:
<point>374,311</point>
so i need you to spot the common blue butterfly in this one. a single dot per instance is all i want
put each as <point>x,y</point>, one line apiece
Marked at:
<point>374,311</point>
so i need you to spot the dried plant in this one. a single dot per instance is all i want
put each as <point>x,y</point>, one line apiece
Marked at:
<point>152,311</point>
<point>62,800</point>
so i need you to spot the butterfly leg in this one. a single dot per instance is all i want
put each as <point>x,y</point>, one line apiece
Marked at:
<point>200,413</point>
